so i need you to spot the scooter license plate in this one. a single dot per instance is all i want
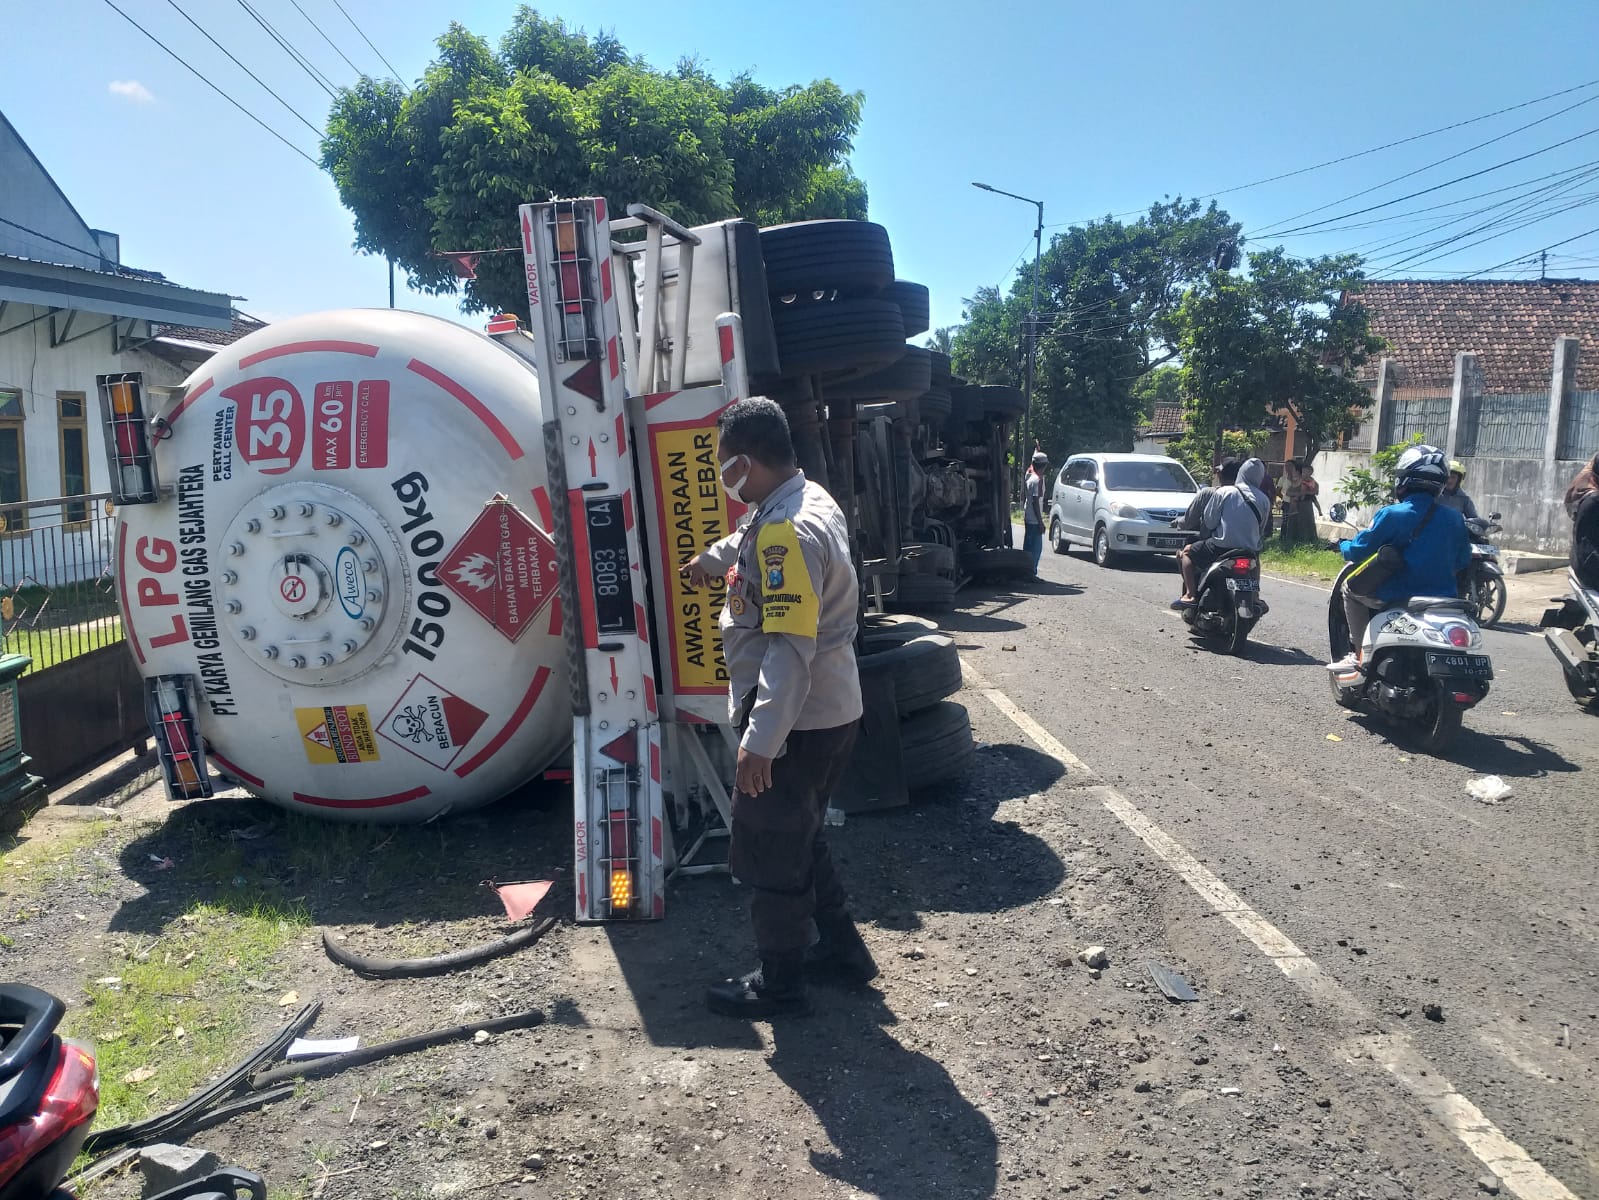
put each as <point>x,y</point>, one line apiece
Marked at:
<point>1244,585</point>
<point>1460,666</point>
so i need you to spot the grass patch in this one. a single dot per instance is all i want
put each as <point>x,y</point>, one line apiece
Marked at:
<point>1306,559</point>
<point>178,1008</point>
<point>47,647</point>
<point>29,864</point>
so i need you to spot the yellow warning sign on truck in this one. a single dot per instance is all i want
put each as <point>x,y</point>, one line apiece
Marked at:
<point>693,513</point>
<point>339,733</point>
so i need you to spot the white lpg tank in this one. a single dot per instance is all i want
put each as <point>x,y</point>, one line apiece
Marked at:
<point>352,554</point>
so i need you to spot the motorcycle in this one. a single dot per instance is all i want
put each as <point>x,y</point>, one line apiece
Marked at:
<point>1227,601</point>
<point>49,1091</point>
<point>1483,582</point>
<point>1572,632</point>
<point>1422,662</point>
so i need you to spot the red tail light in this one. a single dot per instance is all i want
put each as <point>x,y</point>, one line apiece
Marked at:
<point>1465,698</point>
<point>1459,636</point>
<point>69,1101</point>
<point>1243,565</point>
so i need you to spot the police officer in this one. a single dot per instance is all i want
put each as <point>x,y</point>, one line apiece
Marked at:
<point>788,635</point>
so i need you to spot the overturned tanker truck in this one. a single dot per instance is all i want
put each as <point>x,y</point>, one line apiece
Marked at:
<point>376,566</point>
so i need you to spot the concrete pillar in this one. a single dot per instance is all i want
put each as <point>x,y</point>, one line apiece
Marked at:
<point>1467,383</point>
<point>1561,381</point>
<point>1382,400</point>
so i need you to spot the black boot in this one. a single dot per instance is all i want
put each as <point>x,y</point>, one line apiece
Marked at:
<point>840,954</point>
<point>774,989</point>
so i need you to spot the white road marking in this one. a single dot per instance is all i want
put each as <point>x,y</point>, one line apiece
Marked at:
<point>1518,1171</point>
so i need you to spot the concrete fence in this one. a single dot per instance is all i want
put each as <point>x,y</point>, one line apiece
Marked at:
<point>1520,449</point>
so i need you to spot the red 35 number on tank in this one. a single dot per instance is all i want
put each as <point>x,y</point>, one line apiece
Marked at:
<point>270,425</point>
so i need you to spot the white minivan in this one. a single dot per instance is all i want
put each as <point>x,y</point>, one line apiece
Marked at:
<point>1119,504</point>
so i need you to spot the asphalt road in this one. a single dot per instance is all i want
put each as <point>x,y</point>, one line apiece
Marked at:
<point>1368,854</point>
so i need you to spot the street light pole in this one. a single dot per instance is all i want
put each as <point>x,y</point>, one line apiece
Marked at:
<point>1032,314</point>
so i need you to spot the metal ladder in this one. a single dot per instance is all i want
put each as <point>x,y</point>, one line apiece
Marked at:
<point>595,343</point>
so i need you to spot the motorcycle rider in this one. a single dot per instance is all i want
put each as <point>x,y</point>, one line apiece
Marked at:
<point>1582,506</point>
<point>1432,536</point>
<point>1453,497</point>
<point>1235,519</point>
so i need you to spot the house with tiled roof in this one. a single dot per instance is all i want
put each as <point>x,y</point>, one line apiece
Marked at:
<point>1502,375</point>
<point>1509,324</point>
<point>71,309</point>
<point>1165,424</point>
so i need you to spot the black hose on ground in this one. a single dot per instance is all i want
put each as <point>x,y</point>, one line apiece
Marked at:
<point>410,968</point>
<point>153,1128</point>
<point>316,1067</point>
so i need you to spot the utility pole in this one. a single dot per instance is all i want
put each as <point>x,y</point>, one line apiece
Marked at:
<point>391,283</point>
<point>1031,344</point>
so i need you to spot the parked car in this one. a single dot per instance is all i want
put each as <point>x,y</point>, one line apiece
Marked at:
<point>1119,504</point>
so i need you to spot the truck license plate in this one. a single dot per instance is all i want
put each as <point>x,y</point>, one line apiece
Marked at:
<point>1460,666</point>
<point>608,566</point>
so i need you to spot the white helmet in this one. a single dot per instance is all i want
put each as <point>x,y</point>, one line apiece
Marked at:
<point>1421,469</point>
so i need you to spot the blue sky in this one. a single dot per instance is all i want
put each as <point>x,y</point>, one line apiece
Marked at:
<point>1092,108</point>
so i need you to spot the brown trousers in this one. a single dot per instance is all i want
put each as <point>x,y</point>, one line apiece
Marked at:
<point>779,847</point>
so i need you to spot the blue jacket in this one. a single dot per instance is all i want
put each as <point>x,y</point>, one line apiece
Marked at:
<point>1432,559</point>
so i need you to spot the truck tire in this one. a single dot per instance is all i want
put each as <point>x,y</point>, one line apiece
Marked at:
<point>841,335</point>
<point>936,745</point>
<point>914,305</point>
<point>940,364</point>
<point>903,380</point>
<point>853,258</point>
<point>935,407</point>
<point>999,562</point>
<point>924,593</point>
<point>895,629</point>
<point>925,669</point>
<point>926,558</point>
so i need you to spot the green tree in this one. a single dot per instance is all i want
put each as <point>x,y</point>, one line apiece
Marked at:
<point>554,111</point>
<point>1160,388</point>
<point>1109,294</point>
<point>1277,340</point>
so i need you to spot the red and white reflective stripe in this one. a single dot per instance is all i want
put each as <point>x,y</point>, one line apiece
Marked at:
<point>730,341</point>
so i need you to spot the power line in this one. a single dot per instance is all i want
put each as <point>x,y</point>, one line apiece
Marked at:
<point>203,79</point>
<point>1272,230</point>
<point>48,238</point>
<point>326,38</point>
<point>245,69</point>
<point>300,60</point>
<point>1540,250</point>
<point>1435,187</point>
<point>1331,162</point>
<point>368,41</point>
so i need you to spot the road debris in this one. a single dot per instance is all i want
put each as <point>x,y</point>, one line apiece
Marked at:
<point>320,1047</point>
<point>1433,1012</point>
<point>1172,984</point>
<point>1094,956</point>
<point>1489,789</point>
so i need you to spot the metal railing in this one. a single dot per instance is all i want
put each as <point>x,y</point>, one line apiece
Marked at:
<point>1504,426</point>
<point>1426,415</point>
<point>1579,426</point>
<point>57,588</point>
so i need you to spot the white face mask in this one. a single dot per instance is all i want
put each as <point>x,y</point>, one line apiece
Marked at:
<point>735,489</point>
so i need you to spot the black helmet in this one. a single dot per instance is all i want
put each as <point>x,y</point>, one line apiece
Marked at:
<point>1421,469</point>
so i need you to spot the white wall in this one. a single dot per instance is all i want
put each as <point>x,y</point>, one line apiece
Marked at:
<point>30,365</point>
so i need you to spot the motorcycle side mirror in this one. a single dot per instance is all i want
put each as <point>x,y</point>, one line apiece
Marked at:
<point>1493,516</point>
<point>1338,512</point>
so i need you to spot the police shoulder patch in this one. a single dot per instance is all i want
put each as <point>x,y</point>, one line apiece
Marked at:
<point>789,601</point>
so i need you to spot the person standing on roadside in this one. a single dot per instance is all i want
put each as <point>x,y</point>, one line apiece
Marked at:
<point>788,636</point>
<point>1035,502</point>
